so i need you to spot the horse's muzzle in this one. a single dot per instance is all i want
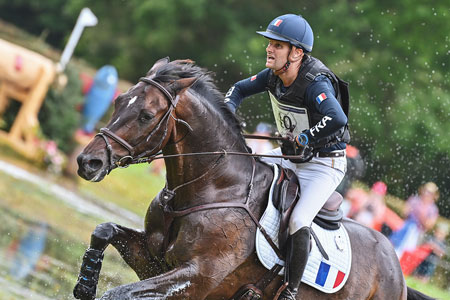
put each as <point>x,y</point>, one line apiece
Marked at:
<point>90,167</point>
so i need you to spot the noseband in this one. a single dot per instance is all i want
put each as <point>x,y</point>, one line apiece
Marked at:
<point>125,161</point>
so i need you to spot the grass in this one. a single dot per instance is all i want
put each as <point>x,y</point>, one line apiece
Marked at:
<point>428,289</point>
<point>132,188</point>
<point>31,202</point>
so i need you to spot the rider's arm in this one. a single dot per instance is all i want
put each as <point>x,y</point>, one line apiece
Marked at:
<point>320,94</point>
<point>245,88</point>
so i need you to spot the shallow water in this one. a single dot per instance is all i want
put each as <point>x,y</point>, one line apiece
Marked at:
<point>44,264</point>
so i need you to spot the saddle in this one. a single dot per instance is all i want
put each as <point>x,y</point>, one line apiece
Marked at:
<point>285,195</point>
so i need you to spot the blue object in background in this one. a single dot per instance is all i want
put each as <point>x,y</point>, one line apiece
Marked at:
<point>30,249</point>
<point>99,97</point>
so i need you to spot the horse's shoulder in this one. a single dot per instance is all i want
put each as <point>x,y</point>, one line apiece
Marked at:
<point>265,170</point>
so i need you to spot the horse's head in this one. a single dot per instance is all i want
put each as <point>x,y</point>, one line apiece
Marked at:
<point>139,127</point>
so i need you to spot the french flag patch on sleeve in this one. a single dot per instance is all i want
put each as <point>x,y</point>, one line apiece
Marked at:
<point>321,97</point>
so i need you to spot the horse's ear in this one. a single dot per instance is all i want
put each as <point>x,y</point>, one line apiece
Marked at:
<point>161,62</point>
<point>180,85</point>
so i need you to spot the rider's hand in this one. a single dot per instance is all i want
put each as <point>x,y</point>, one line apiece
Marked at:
<point>302,140</point>
<point>297,146</point>
<point>301,144</point>
<point>302,148</point>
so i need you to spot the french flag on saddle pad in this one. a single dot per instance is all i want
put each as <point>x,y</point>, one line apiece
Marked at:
<point>321,97</point>
<point>329,276</point>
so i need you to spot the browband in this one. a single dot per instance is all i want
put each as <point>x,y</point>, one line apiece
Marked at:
<point>173,101</point>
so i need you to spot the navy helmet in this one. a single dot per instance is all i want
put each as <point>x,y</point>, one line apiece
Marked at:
<point>290,28</point>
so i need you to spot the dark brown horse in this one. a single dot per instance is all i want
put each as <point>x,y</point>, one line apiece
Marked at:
<point>202,253</point>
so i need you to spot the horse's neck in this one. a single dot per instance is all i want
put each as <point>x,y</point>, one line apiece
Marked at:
<point>210,133</point>
<point>196,176</point>
<point>207,159</point>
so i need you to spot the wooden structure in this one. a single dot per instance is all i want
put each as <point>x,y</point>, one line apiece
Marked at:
<point>25,76</point>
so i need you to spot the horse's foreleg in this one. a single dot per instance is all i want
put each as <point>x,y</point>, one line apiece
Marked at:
<point>132,246</point>
<point>183,282</point>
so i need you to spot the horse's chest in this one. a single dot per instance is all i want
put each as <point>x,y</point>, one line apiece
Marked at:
<point>185,239</point>
<point>154,227</point>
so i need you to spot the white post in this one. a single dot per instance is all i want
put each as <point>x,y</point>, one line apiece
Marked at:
<point>85,19</point>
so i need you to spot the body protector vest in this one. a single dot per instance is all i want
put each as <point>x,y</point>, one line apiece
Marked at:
<point>291,114</point>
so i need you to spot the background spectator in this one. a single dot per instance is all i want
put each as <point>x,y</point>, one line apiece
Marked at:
<point>372,211</point>
<point>354,200</point>
<point>421,214</point>
<point>438,248</point>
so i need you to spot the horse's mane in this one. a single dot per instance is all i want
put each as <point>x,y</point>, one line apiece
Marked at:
<point>204,86</point>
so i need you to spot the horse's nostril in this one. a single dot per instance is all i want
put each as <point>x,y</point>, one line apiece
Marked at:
<point>95,164</point>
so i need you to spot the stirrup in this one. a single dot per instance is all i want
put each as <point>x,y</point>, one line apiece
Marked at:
<point>248,291</point>
<point>288,294</point>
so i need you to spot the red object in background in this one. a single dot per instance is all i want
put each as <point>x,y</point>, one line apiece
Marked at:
<point>88,81</point>
<point>379,188</point>
<point>390,218</point>
<point>351,151</point>
<point>18,63</point>
<point>410,260</point>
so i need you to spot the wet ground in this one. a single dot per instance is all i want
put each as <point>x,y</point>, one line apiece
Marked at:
<point>41,265</point>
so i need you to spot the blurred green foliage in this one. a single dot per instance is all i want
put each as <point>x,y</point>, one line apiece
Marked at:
<point>58,115</point>
<point>395,54</point>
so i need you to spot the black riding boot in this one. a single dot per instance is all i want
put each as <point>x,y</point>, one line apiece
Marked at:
<point>297,257</point>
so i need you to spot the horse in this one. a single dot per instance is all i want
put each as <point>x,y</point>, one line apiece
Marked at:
<point>197,241</point>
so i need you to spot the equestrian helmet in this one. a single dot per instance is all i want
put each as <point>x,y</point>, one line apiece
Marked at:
<point>290,28</point>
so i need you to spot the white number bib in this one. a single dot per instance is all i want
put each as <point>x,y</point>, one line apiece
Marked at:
<point>289,118</point>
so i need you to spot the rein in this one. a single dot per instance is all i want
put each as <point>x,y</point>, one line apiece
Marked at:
<point>148,157</point>
<point>223,152</point>
<point>265,137</point>
<point>128,160</point>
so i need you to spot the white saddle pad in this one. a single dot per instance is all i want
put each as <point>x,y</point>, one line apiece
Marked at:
<point>328,276</point>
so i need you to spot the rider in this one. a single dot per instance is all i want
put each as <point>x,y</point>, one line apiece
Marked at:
<point>310,105</point>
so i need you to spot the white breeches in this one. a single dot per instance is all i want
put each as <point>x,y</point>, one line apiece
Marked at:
<point>318,179</point>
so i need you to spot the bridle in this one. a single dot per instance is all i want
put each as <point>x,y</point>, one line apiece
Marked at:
<point>154,153</point>
<point>129,159</point>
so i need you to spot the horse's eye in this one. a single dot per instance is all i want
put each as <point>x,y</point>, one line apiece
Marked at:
<point>145,117</point>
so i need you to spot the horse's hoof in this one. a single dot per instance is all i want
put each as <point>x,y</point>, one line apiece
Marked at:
<point>84,292</point>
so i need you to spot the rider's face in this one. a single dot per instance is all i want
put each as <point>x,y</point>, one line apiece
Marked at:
<point>277,54</point>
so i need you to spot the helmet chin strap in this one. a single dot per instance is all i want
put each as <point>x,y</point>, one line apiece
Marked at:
<point>285,67</point>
